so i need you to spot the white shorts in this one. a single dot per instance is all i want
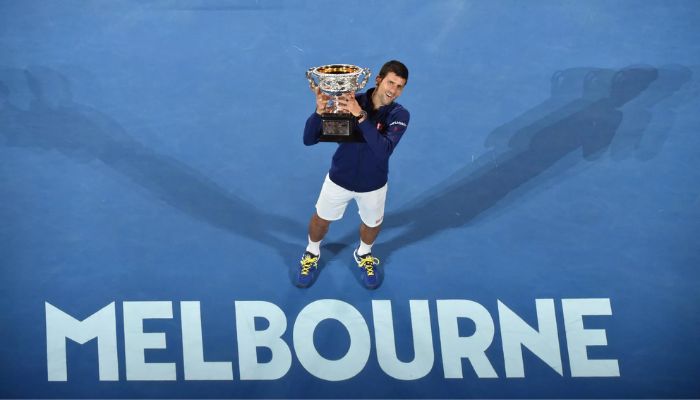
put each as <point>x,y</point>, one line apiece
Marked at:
<point>334,199</point>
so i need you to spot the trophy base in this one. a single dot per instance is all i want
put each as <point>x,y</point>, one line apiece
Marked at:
<point>339,128</point>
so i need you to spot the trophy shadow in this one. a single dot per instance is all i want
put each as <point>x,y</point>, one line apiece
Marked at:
<point>52,121</point>
<point>582,115</point>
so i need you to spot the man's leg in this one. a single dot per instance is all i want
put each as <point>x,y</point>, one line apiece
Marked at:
<point>318,227</point>
<point>367,237</point>
<point>308,266</point>
<point>330,206</point>
<point>331,203</point>
<point>371,207</point>
<point>371,276</point>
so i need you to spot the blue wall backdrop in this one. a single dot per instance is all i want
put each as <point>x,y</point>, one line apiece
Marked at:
<point>150,151</point>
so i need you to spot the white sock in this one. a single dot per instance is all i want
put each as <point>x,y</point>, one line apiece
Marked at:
<point>314,247</point>
<point>364,248</point>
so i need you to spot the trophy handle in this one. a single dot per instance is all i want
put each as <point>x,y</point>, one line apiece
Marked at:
<point>310,77</point>
<point>367,73</point>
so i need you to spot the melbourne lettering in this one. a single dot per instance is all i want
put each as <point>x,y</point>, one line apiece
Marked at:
<point>455,351</point>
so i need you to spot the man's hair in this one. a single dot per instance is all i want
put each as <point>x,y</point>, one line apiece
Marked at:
<point>396,67</point>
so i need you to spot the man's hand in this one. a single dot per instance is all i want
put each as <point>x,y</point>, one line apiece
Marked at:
<point>348,103</point>
<point>321,101</point>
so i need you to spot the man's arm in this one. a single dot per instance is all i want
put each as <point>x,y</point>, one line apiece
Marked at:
<point>312,130</point>
<point>383,145</point>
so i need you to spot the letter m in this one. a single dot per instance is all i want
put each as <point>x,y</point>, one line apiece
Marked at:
<point>61,326</point>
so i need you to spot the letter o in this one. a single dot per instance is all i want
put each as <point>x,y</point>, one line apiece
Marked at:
<point>331,370</point>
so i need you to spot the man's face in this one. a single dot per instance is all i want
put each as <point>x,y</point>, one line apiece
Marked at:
<point>388,89</point>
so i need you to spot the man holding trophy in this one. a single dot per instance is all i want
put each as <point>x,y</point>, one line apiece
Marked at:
<point>368,127</point>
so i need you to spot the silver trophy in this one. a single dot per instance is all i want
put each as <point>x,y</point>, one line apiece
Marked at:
<point>336,80</point>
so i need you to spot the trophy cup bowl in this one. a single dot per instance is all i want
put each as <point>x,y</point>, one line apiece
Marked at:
<point>336,80</point>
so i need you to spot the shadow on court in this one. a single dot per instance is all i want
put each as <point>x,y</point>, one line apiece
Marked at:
<point>52,121</point>
<point>583,115</point>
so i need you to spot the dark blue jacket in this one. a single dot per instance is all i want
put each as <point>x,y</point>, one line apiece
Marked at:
<point>364,167</point>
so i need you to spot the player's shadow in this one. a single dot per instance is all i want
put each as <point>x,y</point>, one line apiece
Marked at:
<point>584,115</point>
<point>53,121</point>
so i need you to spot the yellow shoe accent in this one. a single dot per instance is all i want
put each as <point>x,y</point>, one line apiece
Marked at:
<point>308,261</point>
<point>368,262</point>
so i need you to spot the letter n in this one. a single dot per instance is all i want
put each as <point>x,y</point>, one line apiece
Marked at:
<point>61,326</point>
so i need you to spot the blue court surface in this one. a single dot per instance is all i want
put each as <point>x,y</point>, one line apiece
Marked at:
<point>541,233</point>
